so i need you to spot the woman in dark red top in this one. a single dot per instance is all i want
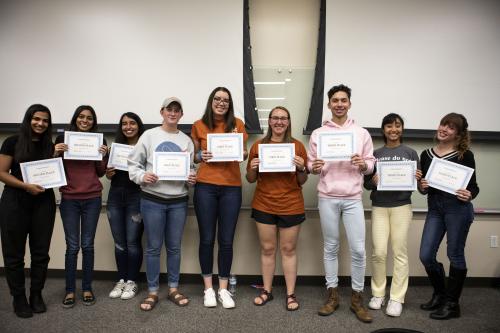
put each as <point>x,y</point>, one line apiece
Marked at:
<point>80,207</point>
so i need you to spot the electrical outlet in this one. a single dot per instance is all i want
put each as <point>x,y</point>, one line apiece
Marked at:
<point>493,241</point>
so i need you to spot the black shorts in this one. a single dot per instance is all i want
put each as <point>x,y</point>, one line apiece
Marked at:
<point>281,221</point>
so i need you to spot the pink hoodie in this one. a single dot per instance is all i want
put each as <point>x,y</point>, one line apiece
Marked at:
<point>341,179</point>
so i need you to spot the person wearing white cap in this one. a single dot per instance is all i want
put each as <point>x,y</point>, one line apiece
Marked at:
<point>163,202</point>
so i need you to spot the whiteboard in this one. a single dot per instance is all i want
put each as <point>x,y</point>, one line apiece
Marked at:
<point>118,56</point>
<point>421,59</point>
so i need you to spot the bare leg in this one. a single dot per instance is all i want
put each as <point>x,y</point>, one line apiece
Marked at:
<point>268,242</point>
<point>288,244</point>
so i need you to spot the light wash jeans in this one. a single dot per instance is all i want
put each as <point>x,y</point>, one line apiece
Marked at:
<point>163,222</point>
<point>331,210</point>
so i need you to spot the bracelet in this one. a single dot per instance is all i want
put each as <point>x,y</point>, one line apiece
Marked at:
<point>303,169</point>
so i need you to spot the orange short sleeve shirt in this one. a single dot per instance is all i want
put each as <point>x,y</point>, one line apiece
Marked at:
<point>219,173</point>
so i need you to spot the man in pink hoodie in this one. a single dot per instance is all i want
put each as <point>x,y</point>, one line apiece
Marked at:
<point>340,188</point>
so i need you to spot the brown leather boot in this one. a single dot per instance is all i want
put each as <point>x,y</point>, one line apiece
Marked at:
<point>358,308</point>
<point>332,302</point>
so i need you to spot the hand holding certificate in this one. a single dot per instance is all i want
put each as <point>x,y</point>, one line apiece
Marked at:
<point>448,176</point>
<point>171,165</point>
<point>118,156</point>
<point>397,176</point>
<point>276,157</point>
<point>83,145</point>
<point>47,173</point>
<point>227,147</point>
<point>336,146</point>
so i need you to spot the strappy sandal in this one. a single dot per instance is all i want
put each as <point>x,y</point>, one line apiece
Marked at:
<point>291,299</point>
<point>69,302</point>
<point>267,294</point>
<point>150,300</point>
<point>88,299</point>
<point>176,298</point>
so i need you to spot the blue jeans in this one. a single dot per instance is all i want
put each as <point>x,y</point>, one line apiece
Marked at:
<point>79,216</point>
<point>353,218</point>
<point>163,222</point>
<point>125,220</point>
<point>217,208</point>
<point>445,215</point>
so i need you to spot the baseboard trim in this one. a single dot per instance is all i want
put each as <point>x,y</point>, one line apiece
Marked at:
<point>308,280</point>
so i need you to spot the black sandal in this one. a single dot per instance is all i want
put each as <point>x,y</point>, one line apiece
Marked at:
<point>88,299</point>
<point>291,299</point>
<point>69,301</point>
<point>269,297</point>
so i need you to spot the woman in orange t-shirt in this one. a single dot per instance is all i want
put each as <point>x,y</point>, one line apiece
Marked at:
<point>278,206</point>
<point>217,194</point>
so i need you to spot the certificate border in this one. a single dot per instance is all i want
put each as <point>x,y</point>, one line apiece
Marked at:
<point>182,153</point>
<point>263,146</point>
<point>336,158</point>
<point>69,156</point>
<point>238,158</point>
<point>412,187</point>
<point>437,160</point>
<point>60,167</point>
<point>112,153</point>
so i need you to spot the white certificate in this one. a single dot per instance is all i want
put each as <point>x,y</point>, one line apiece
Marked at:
<point>225,147</point>
<point>448,176</point>
<point>171,165</point>
<point>118,156</point>
<point>336,146</point>
<point>83,146</point>
<point>47,173</point>
<point>397,176</point>
<point>276,157</point>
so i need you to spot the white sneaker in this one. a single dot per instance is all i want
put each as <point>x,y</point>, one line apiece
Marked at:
<point>226,298</point>
<point>118,289</point>
<point>394,308</point>
<point>130,290</point>
<point>209,300</point>
<point>376,303</point>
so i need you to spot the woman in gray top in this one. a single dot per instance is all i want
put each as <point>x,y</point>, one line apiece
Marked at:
<point>391,216</point>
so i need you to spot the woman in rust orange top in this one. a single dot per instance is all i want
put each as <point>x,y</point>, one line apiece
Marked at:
<point>217,195</point>
<point>278,206</point>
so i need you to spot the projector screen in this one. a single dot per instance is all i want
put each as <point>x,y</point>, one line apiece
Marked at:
<point>421,59</point>
<point>118,56</point>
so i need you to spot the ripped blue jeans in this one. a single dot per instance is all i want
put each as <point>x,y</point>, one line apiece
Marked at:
<point>126,226</point>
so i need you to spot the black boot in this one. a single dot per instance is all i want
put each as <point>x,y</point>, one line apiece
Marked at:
<point>451,308</point>
<point>437,281</point>
<point>36,302</point>
<point>21,307</point>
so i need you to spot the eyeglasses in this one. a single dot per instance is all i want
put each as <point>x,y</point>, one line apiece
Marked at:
<point>220,100</point>
<point>282,119</point>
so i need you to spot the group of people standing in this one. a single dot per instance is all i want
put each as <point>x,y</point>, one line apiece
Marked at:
<point>139,202</point>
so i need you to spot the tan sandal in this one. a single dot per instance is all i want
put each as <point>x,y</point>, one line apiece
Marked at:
<point>176,298</point>
<point>151,300</point>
